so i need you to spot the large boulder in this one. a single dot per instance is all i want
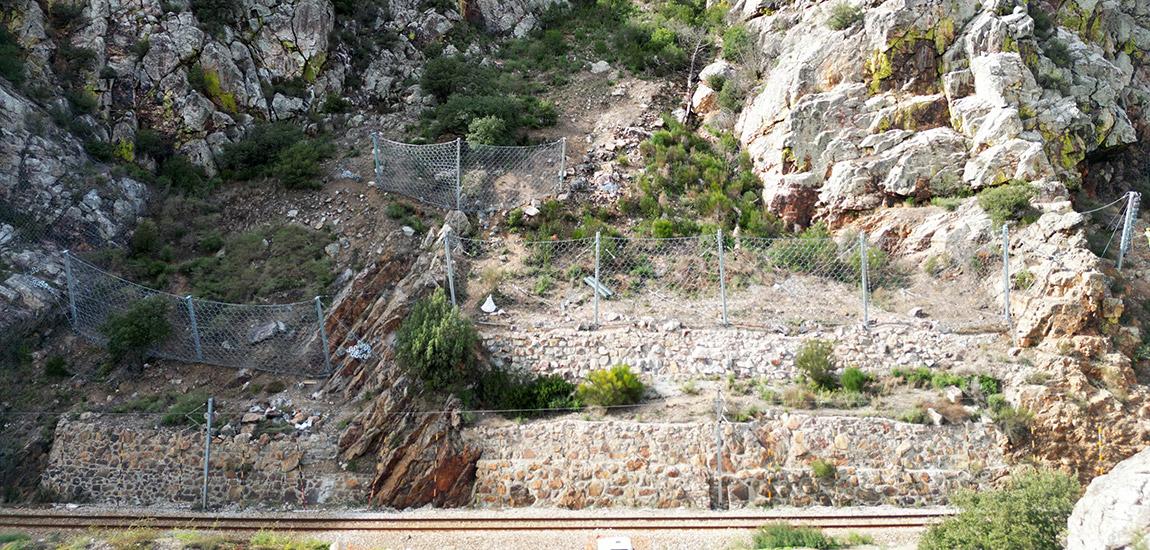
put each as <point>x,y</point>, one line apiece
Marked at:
<point>1114,514</point>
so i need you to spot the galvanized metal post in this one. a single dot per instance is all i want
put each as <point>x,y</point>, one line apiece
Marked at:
<point>1006,283</point>
<point>1132,199</point>
<point>562,162</point>
<point>375,153</point>
<point>595,289</point>
<point>447,259</point>
<point>719,447</point>
<point>863,253</point>
<point>207,450</point>
<point>195,328</point>
<point>458,174</point>
<point>722,274</point>
<point>322,333</point>
<point>71,287</point>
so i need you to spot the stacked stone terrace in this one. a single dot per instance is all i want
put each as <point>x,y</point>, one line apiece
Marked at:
<point>669,350</point>
<point>92,462</point>
<point>574,464</point>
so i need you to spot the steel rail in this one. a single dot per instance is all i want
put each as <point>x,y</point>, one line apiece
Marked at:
<point>34,520</point>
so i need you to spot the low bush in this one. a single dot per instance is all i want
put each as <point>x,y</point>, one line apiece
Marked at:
<point>822,469</point>
<point>1057,52</point>
<point>736,42</point>
<point>611,387</point>
<point>260,149</point>
<point>435,343</point>
<point>297,167</point>
<point>132,333</point>
<point>291,264</point>
<point>526,395</point>
<point>11,58</point>
<point>844,16</point>
<point>265,540</point>
<point>854,379</point>
<point>57,367</point>
<point>1014,423</point>
<point>816,361</point>
<point>1029,514</point>
<point>915,416</point>
<point>335,104</point>
<point>178,173</point>
<point>786,536</point>
<point>1006,202</point>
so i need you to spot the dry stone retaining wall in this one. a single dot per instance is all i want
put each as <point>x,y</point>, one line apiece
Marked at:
<point>669,349</point>
<point>574,464</point>
<point>95,462</point>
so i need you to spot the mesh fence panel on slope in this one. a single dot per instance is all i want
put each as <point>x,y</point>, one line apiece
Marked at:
<point>777,280</point>
<point>469,176</point>
<point>960,287</point>
<point>661,278</point>
<point>277,338</point>
<point>540,282</point>
<point>423,172</point>
<point>500,178</point>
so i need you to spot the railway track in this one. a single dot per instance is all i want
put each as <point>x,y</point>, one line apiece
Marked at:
<point>78,520</point>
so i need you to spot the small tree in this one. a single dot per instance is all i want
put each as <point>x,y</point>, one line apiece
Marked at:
<point>816,361</point>
<point>436,343</point>
<point>488,130</point>
<point>1029,514</point>
<point>610,387</point>
<point>132,333</point>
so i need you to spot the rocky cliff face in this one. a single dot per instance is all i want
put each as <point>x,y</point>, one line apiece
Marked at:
<point>926,98</point>
<point>421,458</point>
<point>51,198</point>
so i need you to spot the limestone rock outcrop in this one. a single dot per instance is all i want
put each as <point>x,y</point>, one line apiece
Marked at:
<point>1114,514</point>
<point>923,98</point>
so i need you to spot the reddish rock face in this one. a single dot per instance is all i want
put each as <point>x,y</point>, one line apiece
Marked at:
<point>421,457</point>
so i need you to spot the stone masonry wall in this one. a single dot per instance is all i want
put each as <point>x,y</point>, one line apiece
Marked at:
<point>96,462</point>
<point>670,350</point>
<point>574,464</point>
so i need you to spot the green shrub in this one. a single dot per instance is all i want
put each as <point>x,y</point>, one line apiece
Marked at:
<point>265,540</point>
<point>527,395</point>
<point>149,143</point>
<point>488,130</point>
<point>142,326</point>
<point>99,150</point>
<point>843,16</point>
<point>178,173</point>
<point>785,536</point>
<point>11,58</point>
<point>1057,52</point>
<point>1023,279</point>
<point>1006,202</point>
<point>297,167</point>
<point>82,100</point>
<point>261,148</point>
<point>854,379</point>
<point>183,410</point>
<point>915,416</point>
<point>145,239</point>
<point>275,386</point>
<point>215,14</point>
<point>1014,423</point>
<point>1029,514</point>
<point>611,387</point>
<point>57,367</point>
<point>335,104</point>
<point>816,361</point>
<point>736,43</point>
<point>822,469</point>
<point>436,343</point>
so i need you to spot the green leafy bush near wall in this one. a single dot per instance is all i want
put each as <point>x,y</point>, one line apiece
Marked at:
<point>1029,514</point>
<point>611,387</point>
<point>436,344</point>
<point>816,361</point>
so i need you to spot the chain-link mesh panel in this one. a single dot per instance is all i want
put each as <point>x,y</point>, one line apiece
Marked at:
<point>424,172</point>
<point>500,178</point>
<point>779,280</point>
<point>537,283</point>
<point>958,285</point>
<point>675,278</point>
<point>468,176</point>
<point>277,338</point>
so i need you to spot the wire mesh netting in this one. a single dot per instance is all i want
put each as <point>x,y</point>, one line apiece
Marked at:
<point>805,279</point>
<point>470,177</point>
<point>958,285</point>
<point>277,338</point>
<point>749,281</point>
